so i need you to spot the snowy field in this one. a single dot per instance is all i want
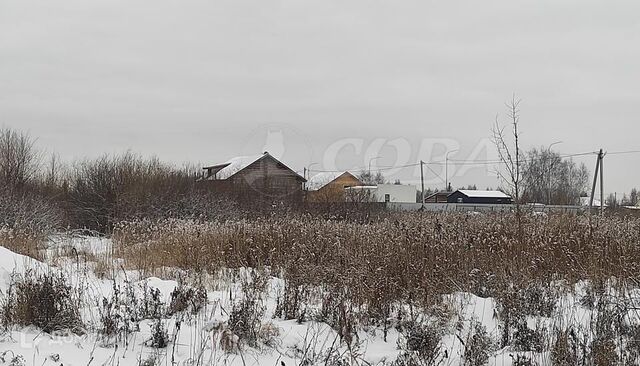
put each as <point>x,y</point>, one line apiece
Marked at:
<point>146,325</point>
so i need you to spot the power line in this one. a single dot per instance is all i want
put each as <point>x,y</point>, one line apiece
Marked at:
<point>437,175</point>
<point>467,162</point>
<point>624,152</point>
<point>365,169</point>
<point>523,160</point>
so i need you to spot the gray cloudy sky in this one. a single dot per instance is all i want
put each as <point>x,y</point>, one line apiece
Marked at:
<point>333,82</point>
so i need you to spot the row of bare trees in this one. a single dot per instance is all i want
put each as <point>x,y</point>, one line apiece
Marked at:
<point>550,179</point>
<point>92,194</point>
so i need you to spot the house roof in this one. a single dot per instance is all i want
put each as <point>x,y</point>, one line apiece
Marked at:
<point>232,166</point>
<point>363,187</point>
<point>439,193</point>
<point>322,179</point>
<point>483,194</point>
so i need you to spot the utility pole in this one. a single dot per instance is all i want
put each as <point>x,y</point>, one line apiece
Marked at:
<point>304,175</point>
<point>601,182</point>
<point>446,169</point>
<point>599,170</point>
<point>422,183</point>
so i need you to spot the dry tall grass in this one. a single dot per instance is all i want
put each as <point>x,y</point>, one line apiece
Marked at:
<point>370,272</point>
<point>406,256</point>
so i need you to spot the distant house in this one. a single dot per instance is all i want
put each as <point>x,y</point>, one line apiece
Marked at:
<point>479,197</point>
<point>584,201</point>
<point>438,197</point>
<point>251,177</point>
<point>330,186</point>
<point>395,193</point>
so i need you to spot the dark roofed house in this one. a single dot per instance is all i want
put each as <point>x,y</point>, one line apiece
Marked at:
<point>479,197</point>
<point>259,176</point>
<point>438,197</point>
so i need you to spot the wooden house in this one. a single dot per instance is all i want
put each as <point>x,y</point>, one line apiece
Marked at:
<point>438,197</point>
<point>260,177</point>
<point>330,186</point>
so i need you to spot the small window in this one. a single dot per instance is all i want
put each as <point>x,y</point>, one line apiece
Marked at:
<point>460,200</point>
<point>387,197</point>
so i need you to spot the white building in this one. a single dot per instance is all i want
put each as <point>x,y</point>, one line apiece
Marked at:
<point>395,193</point>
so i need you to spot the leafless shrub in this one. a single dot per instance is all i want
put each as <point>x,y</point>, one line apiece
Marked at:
<point>19,159</point>
<point>527,339</point>
<point>117,316</point>
<point>341,317</point>
<point>291,305</point>
<point>114,188</point>
<point>186,298</point>
<point>26,221</point>
<point>515,303</point>
<point>421,344</point>
<point>565,349</point>
<point>159,335</point>
<point>42,300</point>
<point>229,342</point>
<point>478,346</point>
<point>245,320</point>
<point>121,313</point>
<point>633,344</point>
<point>603,350</point>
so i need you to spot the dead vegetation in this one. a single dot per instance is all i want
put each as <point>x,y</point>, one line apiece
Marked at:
<point>364,273</point>
<point>44,300</point>
<point>411,257</point>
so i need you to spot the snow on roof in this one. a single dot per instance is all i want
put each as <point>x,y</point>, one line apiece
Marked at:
<point>322,179</point>
<point>236,164</point>
<point>484,194</point>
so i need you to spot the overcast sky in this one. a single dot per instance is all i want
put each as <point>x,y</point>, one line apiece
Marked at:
<point>331,82</point>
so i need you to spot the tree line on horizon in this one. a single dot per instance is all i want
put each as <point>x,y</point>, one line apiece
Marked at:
<point>96,193</point>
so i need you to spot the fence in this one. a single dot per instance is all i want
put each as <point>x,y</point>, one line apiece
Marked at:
<point>472,207</point>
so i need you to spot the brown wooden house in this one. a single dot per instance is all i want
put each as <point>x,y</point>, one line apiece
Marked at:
<point>438,197</point>
<point>260,177</point>
<point>330,187</point>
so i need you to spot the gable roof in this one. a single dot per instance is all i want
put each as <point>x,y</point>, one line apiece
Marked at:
<point>234,165</point>
<point>439,193</point>
<point>483,194</point>
<point>322,179</point>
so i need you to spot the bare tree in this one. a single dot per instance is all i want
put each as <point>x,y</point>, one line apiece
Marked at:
<point>509,154</point>
<point>509,151</point>
<point>52,175</point>
<point>19,159</point>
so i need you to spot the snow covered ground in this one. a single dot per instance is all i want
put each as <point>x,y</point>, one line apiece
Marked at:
<point>195,339</point>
